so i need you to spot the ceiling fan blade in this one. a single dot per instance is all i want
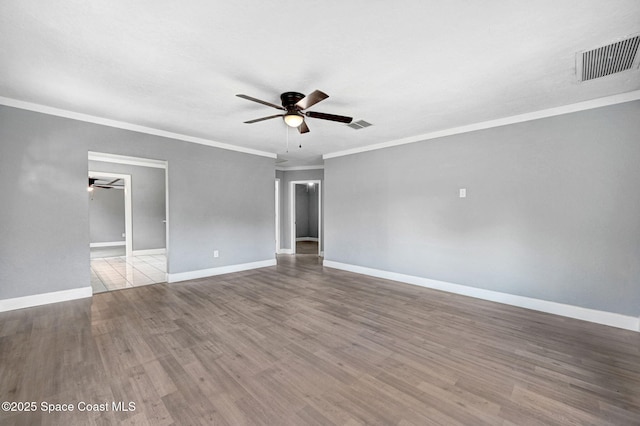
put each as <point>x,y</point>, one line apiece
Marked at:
<point>303,128</point>
<point>311,99</point>
<point>263,118</point>
<point>249,98</point>
<point>332,117</point>
<point>108,186</point>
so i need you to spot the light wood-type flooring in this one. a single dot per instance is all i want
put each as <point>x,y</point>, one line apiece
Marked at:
<point>299,344</point>
<point>307,247</point>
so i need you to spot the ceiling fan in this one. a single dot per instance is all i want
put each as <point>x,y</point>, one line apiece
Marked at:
<point>294,104</point>
<point>93,183</point>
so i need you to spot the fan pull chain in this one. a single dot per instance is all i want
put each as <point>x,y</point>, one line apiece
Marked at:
<point>287,130</point>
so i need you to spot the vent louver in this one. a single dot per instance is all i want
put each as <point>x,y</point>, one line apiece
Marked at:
<point>360,124</point>
<point>609,59</point>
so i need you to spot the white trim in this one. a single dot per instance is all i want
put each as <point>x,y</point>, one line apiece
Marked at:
<point>127,126</point>
<point>285,251</point>
<point>203,273</point>
<point>292,211</point>
<point>571,311</point>
<point>125,159</point>
<point>128,214</point>
<point>306,239</point>
<point>166,219</point>
<point>292,168</point>
<point>108,244</point>
<point>277,213</point>
<point>551,112</point>
<point>144,162</point>
<point>45,298</point>
<point>149,252</point>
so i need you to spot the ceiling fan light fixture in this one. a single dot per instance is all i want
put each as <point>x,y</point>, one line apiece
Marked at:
<point>293,119</point>
<point>294,104</point>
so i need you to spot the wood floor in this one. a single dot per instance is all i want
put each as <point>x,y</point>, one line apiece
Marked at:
<point>302,345</point>
<point>307,247</point>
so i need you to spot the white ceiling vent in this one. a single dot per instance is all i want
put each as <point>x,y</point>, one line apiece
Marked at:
<point>610,59</point>
<point>360,124</point>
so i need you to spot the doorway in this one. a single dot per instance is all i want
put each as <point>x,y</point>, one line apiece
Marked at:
<point>109,214</point>
<point>144,183</point>
<point>306,217</point>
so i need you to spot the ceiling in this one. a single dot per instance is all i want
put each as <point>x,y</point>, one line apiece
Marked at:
<point>409,67</point>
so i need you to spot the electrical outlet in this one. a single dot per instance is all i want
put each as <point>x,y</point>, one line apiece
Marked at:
<point>216,253</point>
<point>463,192</point>
<point>124,235</point>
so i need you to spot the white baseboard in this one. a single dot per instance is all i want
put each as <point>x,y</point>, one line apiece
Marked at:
<point>148,252</point>
<point>45,298</point>
<point>203,273</point>
<point>571,311</point>
<point>307,239</point>
<point>107,244</point>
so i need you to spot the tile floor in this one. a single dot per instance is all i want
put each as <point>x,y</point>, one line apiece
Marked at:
<point>115,273</point>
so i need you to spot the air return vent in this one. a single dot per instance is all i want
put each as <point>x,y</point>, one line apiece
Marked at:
<point>610,59</point>
<point>360,124</point>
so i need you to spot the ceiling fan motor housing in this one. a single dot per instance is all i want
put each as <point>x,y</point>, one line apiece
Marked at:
<point>290,99</point>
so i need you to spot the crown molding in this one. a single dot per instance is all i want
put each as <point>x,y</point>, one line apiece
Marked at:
<point>14,103</point>
<point>292,168</point>
<point>536,115</point>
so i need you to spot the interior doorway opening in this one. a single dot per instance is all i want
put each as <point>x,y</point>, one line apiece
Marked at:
<point>306,217</point>
<point>109,214</point>
<point>144,183</point>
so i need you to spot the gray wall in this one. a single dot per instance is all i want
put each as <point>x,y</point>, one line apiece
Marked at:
<point>106,215</point>
<point>552,209</point>
<point>302,211</point>
<point>218,200</point>
<point>306,211</point>
<point>148,202</point>
<point>285,178</point>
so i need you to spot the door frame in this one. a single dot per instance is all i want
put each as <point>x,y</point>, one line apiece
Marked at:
<point>277,200</point>
<point>128,221</point>
<point>292,212</point>
<point>144,162</point>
